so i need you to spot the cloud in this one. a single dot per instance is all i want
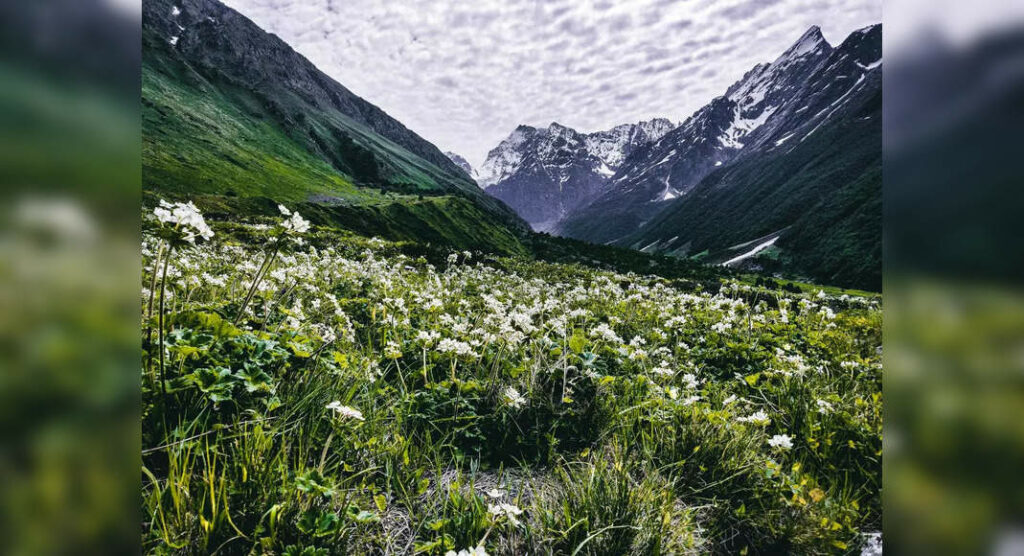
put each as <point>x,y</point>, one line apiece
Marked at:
<point>465,74</point>
<point>446,81</point>
<point>746,9</point>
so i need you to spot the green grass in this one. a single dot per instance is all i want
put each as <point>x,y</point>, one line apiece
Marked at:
<point>624,433</point>
<point>200,142</point>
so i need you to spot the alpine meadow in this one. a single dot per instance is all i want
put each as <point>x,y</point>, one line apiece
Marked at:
<point>636,341</point>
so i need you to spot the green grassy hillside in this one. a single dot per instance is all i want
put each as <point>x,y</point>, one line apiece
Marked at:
<point>202,141</point>
<point>240,147</point>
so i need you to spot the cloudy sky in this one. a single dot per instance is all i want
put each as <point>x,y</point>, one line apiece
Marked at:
<point>463,74</point>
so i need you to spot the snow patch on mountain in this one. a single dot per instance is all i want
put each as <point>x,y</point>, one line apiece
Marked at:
<point>733,136</point>
<point>760,247</point>
<point>461,162</point>
<point>504,159</point>
<point>612,146</point>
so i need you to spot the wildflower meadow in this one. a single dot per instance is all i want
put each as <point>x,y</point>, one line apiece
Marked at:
<point>310,391</point>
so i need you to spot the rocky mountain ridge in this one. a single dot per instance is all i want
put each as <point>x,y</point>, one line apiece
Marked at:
<point>546,173</point>
<point>763,102</point>
<point>809,181</point>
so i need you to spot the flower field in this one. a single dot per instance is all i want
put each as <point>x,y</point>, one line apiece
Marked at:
<point>310,391</point>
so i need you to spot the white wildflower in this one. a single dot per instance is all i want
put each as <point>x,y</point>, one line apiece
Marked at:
<point>457,347</point>
<point>662,370</point>
<point>721,327</point>
<point>513,398</point>
<point>345,411</point>
<point>427,338</point>
<point>605,332</point>
<point>392,350</point>
<point>219,281</point>
<point>186,218</point>
<point>509,511</point>
<point>757,418</point>
<point>296,224</point>
<point>781,441</point>
<point>326,333</point>
<point>476,551</point>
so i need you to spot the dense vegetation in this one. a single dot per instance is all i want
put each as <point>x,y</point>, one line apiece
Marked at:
<point>311,391</point>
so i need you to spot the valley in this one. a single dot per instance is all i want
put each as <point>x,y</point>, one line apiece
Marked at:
<point>642,340</point>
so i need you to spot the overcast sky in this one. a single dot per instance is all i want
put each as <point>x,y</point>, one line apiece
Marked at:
<point>464,74</point>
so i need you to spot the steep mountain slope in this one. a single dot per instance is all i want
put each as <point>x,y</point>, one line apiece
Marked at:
<point>461,162</point>
<point>764,102</point>
<point>545,174</point>
<point>231,110</point>
<point>811,184</point>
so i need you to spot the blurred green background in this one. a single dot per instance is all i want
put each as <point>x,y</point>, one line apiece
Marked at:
<point>69,268</point>
<point>954,269</point>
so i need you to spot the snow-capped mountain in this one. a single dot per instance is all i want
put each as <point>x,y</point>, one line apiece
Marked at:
<point>773,106</point>
<point>546,173</point>
<point>461,162</point>
<point>804,193</point>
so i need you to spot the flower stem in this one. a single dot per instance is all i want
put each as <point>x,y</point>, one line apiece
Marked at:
<point>267,262</point>
<point>160,324</point>
<point>149,312</point>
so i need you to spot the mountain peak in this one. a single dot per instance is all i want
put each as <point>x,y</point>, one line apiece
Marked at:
<point>813,32</point>
<point>864,46</point>
<point>461,162</point>
<point>872,34</point>
<point>811,40</point>
<point>656,122</point>
<point>547,173</point>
